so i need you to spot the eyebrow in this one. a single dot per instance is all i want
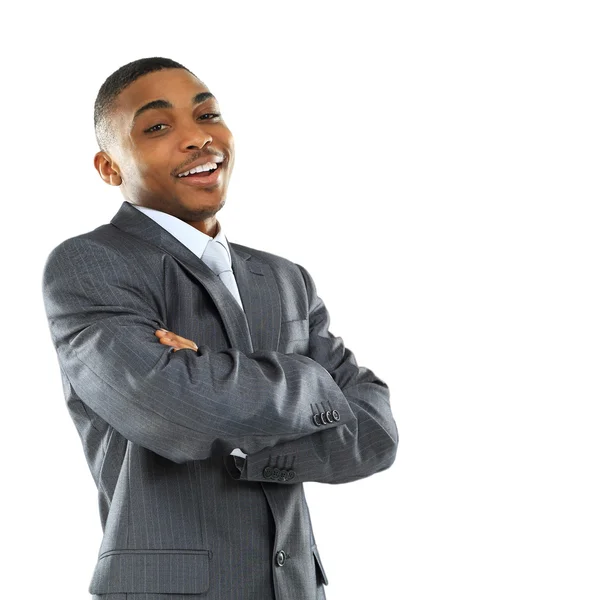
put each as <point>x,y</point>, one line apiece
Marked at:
<point>197,99</point>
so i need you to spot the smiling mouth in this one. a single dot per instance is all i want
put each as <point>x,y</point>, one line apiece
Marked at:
<point>201,170</point>
<point>208,176</point>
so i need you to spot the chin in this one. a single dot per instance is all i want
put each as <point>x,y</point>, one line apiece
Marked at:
<point>197,210</point>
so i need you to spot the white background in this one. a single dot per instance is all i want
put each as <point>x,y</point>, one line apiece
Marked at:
<point>427,162</point>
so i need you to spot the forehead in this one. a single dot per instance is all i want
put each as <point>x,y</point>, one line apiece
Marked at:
<point>177,86</point>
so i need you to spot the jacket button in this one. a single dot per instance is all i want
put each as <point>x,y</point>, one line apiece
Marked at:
<point>284,475</point>
<point>316,419</point>
<point>323,418</point>
<point>276,473</point>
<point>267,472</point>
<point>329,416</point>
<point>291,474</point>
<point>280,558</point>
<point>336,415</point>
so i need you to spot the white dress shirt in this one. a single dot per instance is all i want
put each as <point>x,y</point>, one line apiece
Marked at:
<point>195,240</point>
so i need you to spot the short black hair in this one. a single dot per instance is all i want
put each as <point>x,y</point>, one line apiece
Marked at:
<point>114,84</point>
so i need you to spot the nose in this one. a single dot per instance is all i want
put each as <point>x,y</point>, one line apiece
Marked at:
<point>195,136</point>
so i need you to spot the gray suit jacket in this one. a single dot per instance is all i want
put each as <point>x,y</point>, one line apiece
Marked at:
<point>179,514</point>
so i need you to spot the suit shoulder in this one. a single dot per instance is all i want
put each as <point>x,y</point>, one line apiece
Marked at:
<point>86,249</point>
<point>106,237</point>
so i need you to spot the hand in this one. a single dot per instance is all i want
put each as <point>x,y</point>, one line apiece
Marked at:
<point>176,341</point>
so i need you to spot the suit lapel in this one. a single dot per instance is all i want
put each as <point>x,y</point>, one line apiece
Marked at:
<point>260,296</point>
<point>257,327</point>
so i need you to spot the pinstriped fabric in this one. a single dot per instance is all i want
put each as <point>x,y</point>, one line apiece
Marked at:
<point>179,519</point>
<point>261,300</point>
<point>146,597</point>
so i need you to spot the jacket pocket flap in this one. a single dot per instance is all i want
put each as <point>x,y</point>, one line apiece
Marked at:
<point>319,564</point>
<point>152,571</point>
<point>295,330</point>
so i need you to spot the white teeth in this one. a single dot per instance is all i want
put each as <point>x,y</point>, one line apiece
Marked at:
<point>210,166</point>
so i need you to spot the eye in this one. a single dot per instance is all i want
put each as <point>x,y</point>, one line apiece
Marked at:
<point>209,116</point>
<point>152,128</point>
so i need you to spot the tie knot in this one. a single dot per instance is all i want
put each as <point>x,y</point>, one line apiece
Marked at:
<point>216,257</point>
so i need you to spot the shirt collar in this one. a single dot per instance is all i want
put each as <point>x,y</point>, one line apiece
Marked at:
<point>196,241</point>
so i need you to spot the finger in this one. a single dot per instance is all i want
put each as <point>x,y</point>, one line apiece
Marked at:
<point>188,345</point>
<point>167,337</point>
<point>163,333</point>
<point>179,340</point>
<point>172,339</point>
<point>173,342</point>
<point>194,347</point>
<point>179,343</point>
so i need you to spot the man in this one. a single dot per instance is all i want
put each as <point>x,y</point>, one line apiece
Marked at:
<point>200,374</point>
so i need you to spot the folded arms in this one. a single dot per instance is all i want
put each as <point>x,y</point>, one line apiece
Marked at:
<point>191,405</point>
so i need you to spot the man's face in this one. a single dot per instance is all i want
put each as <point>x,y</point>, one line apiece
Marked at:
<point>156,144</point>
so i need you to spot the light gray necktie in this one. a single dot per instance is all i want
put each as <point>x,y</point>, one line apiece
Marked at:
<point>217,259</point>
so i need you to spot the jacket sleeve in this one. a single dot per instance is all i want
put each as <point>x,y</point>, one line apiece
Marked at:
<point>184,405</point>
<point>352,450</point>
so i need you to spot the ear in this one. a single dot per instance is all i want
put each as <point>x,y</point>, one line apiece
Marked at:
<point>107,168</point>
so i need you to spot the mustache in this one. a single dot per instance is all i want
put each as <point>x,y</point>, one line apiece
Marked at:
<point>207,153</point>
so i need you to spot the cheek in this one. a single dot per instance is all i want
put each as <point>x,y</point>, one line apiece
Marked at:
<point>227,139</point>
<point>230,168</point>
<point>230,162</point>
<point>146,166</point>
<point>154,169</point>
